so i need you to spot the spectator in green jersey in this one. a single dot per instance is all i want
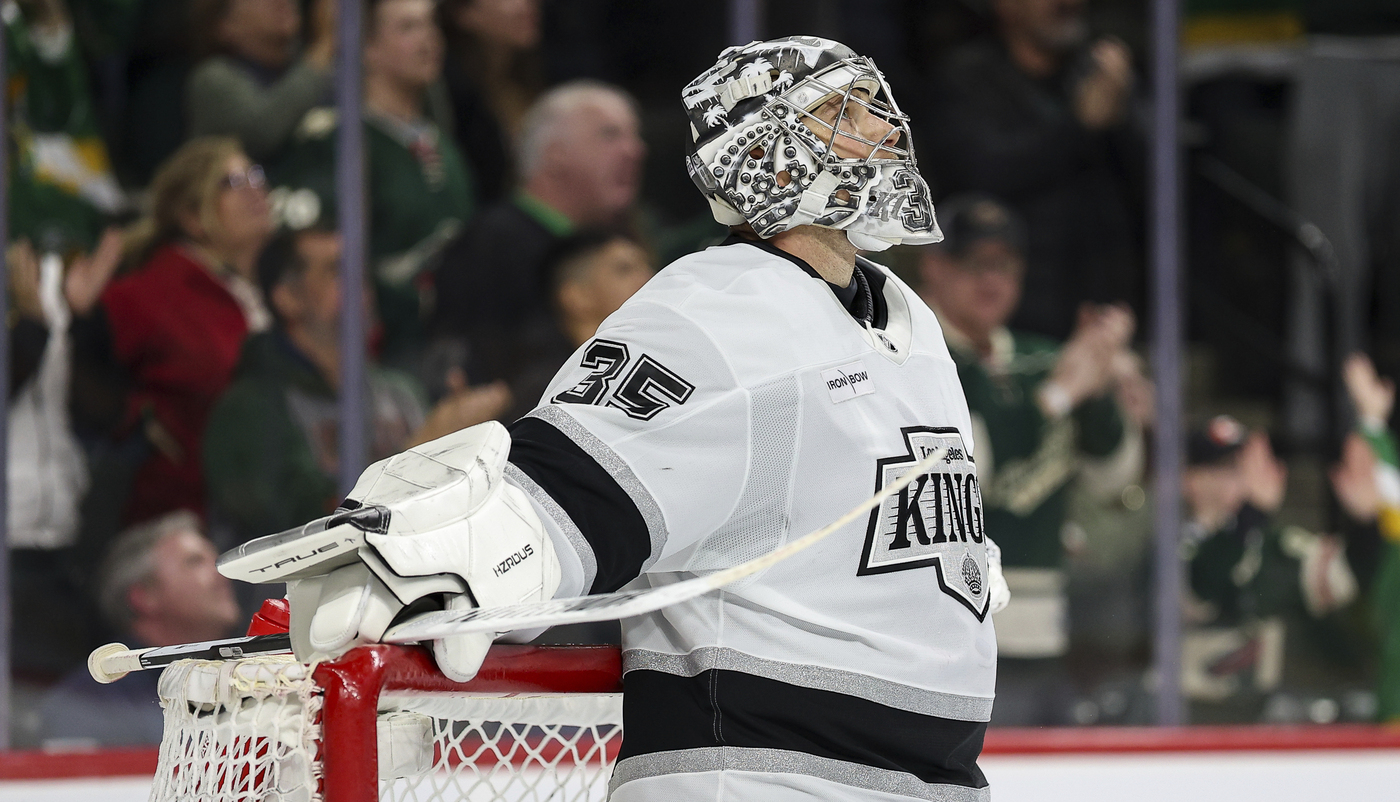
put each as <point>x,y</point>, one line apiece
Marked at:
<point>271,452</point>
<point>1367,483</point>
<point>420,188</point>
<point>1264,631</point>
<point>1044,415</point>
<point>62,189</point>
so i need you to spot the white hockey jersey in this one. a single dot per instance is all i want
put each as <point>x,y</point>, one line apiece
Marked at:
<point>733,404</point>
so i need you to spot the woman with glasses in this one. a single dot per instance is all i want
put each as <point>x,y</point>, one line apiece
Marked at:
<point>166,336</point>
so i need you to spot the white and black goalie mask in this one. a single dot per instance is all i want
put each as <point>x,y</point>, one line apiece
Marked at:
<point>763,157</point>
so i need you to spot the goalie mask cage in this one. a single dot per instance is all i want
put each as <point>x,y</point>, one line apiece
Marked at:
<point>382,723</point>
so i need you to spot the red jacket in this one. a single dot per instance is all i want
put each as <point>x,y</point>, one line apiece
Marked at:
<point>178,332</point>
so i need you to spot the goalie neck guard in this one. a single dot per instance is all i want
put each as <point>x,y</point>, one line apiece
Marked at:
<point>762,157</point>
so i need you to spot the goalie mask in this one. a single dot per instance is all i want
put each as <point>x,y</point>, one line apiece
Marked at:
<point>785,135</point>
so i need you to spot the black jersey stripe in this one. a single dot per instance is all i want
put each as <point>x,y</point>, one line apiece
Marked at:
<point>851,683</point>
<point>587,561</point>
<point>605,513</point>
<point>718,708</point>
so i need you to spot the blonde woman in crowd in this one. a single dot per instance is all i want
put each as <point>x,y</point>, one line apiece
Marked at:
<point>161,345</point>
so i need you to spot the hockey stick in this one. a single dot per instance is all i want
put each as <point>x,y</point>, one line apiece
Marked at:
<point>628,603</point>
<point>114,661</point>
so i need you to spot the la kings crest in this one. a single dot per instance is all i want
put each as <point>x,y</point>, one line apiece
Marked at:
<point>934,522</point>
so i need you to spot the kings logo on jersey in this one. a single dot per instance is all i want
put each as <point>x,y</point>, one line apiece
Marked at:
<point>934,522</point>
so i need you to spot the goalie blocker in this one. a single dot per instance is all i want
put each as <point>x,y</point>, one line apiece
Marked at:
<point>418,530</point>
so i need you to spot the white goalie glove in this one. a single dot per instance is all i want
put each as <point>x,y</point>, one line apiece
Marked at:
<point>436,527</point>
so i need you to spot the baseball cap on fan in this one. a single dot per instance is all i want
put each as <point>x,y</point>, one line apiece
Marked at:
<point>974,217</point>
<point>1217,440</point>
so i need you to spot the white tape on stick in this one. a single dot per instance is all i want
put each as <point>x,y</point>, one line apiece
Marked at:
<point>628,603</point>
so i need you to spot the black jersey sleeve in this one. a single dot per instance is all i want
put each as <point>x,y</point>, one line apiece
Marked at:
<point>605,516</point>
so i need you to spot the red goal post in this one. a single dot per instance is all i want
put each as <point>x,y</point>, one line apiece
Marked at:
<point>251,728</point>
<point>354,683</point>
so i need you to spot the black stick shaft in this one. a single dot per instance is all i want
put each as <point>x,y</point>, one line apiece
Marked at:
<point>230,649</point>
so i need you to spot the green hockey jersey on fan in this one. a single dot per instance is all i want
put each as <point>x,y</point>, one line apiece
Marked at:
<point>60,175</point>
<point>1385,592</point>
<point>419,194</point>
<point>1027,461</point>
<point>1270,612</point>
<point>271,449</point>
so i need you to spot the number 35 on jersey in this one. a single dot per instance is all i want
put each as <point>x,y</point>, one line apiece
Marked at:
<point>648,388</point>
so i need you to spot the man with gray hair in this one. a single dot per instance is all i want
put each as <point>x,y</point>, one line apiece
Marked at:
<point>580,154</point>
<point>158,587</point>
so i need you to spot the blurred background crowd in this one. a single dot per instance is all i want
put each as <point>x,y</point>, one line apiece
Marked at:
<point>174,263</point>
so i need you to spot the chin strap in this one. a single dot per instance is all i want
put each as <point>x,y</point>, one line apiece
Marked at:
<point>814,199</point>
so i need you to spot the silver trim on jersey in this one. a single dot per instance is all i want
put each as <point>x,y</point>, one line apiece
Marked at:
<point>850,683</point>
<point>768,761</point>
<point>561,518</point>
<point>616,468</point>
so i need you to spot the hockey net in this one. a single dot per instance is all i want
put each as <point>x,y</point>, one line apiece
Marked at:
<point>381,723</point>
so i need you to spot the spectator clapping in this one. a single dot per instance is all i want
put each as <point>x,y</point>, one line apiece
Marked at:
<point>1044,414</point>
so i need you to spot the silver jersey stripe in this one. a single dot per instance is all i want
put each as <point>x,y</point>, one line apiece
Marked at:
<point>850,683</point>
<point>562,519</point>
<point>781,761</point>
<point>619,470</point>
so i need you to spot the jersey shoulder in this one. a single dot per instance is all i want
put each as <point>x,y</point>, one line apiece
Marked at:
<point>759,310</point>
<point>767,316</point>
<point>736,272</point>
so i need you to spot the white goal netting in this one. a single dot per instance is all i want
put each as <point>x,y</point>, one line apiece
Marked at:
<point>253,731</point>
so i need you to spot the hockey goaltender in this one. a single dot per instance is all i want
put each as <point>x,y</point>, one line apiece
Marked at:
<point>713,416</point>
